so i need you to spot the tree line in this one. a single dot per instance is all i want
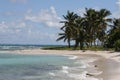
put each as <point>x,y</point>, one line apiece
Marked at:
<point>94,28</point>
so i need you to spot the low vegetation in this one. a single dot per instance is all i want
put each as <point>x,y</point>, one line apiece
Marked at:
<point>117,45</point>
<point>93,48</point>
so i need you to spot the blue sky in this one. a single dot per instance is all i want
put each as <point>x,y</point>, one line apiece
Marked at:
<point>37,21</point>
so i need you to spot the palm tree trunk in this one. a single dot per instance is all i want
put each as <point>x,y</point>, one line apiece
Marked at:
<point>76,43</point>
<point>94,43</point>
<point>69,45</point>
<point>91,44</point>
<point>81,45</point>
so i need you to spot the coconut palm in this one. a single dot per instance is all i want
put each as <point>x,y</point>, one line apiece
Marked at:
<point>68,27</point>
<point>87,29</point>
<point>96,24</point>
<point>115,26</point>
<point>66,36</point>
<point>114,32</point>
<point>102,23</point>
<point>90,24</point>
<point>79,32</point>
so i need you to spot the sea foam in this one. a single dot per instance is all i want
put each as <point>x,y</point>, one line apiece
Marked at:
<point>73,57</point>
<point>65,69</point>
<point>80,76</point>
<point>52,74</point>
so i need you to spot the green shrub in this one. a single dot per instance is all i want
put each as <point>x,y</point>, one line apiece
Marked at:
<point>117,45</point>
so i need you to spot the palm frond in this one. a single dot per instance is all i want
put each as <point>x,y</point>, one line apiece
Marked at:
<point>60,38</point>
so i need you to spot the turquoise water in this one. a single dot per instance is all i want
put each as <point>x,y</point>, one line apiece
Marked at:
<point>21,47</point>
<point>42,67</point>
<point>31,67</point>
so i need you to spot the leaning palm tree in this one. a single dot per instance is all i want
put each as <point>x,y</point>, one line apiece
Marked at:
<point>69,20</point>
<point>65,36</point>
<point>68,27</point>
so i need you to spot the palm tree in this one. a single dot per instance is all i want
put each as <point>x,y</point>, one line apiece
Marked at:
<point>66,36</point>
<point>87,29</point>
<point>115,26</point>
<point>102,23</point>
<point>68,27</point>
<point>79,32</point>
<point>114,32</point>
<point>96,24</point>
<point>90,25</point>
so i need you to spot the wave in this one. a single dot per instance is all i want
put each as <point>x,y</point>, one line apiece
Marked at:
<point>80,76</point>
<point>77,71</point>
<point>65,69</point>
<point>73,57</point>
<point>52,74</point>
<point>47,67</point>
<point>31,77</point>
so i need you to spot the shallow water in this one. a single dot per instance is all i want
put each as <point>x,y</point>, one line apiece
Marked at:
<point>42,67</point>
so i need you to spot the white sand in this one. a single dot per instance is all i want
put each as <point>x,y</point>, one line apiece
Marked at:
<point>108,62</point>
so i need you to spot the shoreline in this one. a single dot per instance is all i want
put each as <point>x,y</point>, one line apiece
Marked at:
<point>106,54</point>
<point>108,62</point>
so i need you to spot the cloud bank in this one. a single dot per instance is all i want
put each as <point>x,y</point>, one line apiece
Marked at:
<point>116,14</point>
<point>31,27</point>
<point>47,17</point>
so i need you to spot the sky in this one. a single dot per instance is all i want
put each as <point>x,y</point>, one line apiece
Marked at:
<point>37,21</point>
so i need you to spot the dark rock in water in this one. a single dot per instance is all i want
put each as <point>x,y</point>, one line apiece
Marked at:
<point>95,65</point>
<point>89,74</point>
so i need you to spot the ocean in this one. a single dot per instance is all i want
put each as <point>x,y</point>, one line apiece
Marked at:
<point>44,67</point>
<point>21,47</point>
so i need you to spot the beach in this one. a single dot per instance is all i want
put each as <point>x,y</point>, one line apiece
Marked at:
<point>108,62</point>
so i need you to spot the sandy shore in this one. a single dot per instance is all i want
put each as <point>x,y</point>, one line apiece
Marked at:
<point>108,62</point>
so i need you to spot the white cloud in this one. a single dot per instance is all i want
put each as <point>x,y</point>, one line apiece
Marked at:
<point>3,27</point>
<point>81,11</point>
<point>46,17</point>
<point>11,27</point>
<point>18,24</point>
<point>116,14</point>
<point>118,3</point>
<point>18,31</point>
